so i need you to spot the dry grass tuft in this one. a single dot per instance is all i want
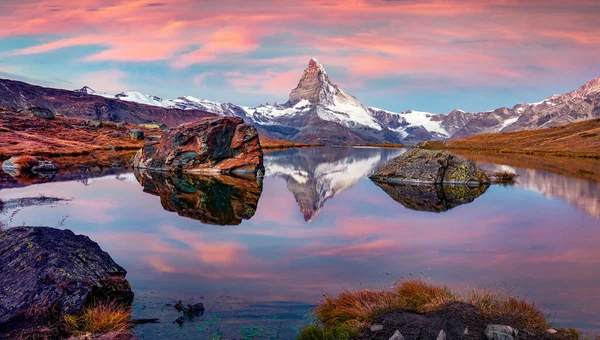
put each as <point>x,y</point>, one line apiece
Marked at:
<point>99,318</point>
<point>519,314</point>
<point>418,296</point>
<point>353,309</point>
<point>338,332</point>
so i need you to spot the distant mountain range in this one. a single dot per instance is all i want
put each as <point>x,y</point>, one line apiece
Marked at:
<point>317,112</point>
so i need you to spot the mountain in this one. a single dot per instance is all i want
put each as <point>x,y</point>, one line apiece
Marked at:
<point>314,176</point>
<point>88,104</point>
<point>317,111</point>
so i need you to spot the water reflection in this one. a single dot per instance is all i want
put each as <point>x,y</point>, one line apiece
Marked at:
<point>434,198</point>
<point>314,175</point>
<point>211,199</point>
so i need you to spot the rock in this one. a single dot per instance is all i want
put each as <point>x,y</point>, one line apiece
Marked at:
<point>213,144</point>
<point>45,267</point>
<point>376,328</point>
<point>453,318</point>
<point>442,335</point>
<point>136,134</point>
<point>209,198</point>
<point>431,167</point>
<point>41,112</point>
<point>551,331</point>
<point>121,125</point>
<point>26,165</point>
<point>397,336</point>
<point>431,197</point>
<point>95,123</point>
<point>501,332</point>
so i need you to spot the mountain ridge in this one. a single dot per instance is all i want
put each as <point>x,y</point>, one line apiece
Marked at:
<point>317,111</point>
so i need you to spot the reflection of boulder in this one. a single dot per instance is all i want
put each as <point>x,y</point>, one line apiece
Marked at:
<point>317,174</point>
<point>435,198</point>
<point>212,199</point>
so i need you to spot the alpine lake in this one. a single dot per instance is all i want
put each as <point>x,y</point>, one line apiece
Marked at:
<point>260,254</point>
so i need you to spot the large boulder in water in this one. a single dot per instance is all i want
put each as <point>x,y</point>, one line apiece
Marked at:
<point>53,269</point>
<point>431,167</point>
<point>212,144</point>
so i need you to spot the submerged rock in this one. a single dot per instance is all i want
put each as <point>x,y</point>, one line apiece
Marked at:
<point>213,144</point>
<point>55,271</point>
<point>431,167</point>
<point>431,197</point>
<point>210,198</point>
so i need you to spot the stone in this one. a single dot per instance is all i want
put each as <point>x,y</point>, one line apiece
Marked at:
<point>209,198</point>
<point>551,331</point>
<point>45,267</point>
<point>121,125</point>
<point>397,336</point>
<point>376,328</point>
<point>500,332</point>
<point>136,134</point>
<point>213,144</point>
<point>95,123</point>
<point>442,335</point>
<point>431,167</point>
<point>28,165</point>
<point>42,113</point>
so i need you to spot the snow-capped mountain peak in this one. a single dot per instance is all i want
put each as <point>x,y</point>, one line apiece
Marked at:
<point>86,90</point>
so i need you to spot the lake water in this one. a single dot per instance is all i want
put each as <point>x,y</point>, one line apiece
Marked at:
<point>261,255</point>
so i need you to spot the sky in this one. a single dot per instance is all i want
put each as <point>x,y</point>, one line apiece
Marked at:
<point>422,55</point>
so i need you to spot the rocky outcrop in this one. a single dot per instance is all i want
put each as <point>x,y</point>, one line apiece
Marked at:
<point>434,197</point>
<point>431,167</point>
<point>221,145</point>
<point>41,112</point>
<point>136,134</point>
<point>47,269</point>
<point>211,199</point>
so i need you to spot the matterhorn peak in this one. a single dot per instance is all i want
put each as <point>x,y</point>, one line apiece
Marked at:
<point>313,84</point>
<point>85,89</point>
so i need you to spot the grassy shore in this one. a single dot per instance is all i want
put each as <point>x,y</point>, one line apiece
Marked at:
<point>349,315</point>
<point>581,139</point>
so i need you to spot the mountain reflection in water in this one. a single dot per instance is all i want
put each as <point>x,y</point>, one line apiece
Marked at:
<point>314,175</point>
<point>211,199</point>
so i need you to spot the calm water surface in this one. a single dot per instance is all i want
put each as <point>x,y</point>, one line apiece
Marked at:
<point>261,255</point>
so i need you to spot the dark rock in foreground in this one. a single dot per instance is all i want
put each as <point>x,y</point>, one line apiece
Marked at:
<point>433,197</point>
<point>453,319</point>
<point>41,113</point>
<point>431,167</point>
<point>222,145</point>
<point>211,199</point>
<point>44,268</point>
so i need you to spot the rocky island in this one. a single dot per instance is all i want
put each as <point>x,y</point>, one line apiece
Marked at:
<point>210,145</point>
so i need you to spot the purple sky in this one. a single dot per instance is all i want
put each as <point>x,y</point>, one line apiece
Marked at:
<point>423,55</point>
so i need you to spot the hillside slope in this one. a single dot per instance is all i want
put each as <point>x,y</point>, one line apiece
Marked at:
<point>575,139</point>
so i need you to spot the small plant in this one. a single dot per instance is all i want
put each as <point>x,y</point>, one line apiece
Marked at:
<point>99,318</point>
<point>505,177</point>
